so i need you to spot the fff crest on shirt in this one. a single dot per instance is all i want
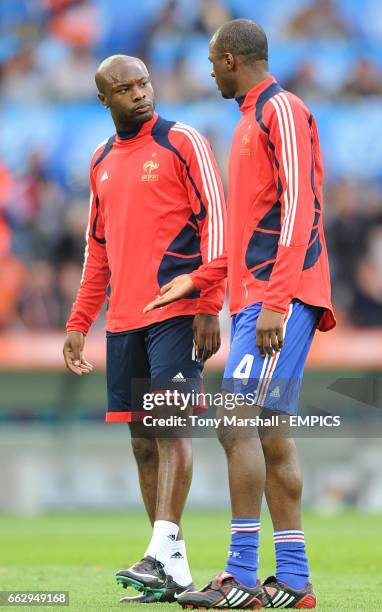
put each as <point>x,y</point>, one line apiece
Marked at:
<point>245,150</point>
<point>149,168</point>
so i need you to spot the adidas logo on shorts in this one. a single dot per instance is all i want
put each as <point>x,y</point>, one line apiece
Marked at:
<point>275,392</point>
<point>179,377</point>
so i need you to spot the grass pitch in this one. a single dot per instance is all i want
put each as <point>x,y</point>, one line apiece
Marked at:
<point>81,552</point>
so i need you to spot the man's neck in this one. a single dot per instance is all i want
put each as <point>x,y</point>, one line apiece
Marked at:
<point>249,80</point>
<point>128,131</point>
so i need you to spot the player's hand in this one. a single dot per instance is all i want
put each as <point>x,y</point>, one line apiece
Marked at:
<point>176,289</point>
<point>206,336</point>
<point>269,332</point>
<point>73,354</point>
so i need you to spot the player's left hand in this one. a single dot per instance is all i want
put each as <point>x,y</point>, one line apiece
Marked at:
<point>206,335</point>
<point>270,332</point>
<point>178,288</point>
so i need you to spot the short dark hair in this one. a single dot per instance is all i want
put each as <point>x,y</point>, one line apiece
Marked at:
<point>242,37</point>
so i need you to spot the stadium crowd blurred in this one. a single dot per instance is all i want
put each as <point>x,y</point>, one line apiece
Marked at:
<point>327,51</point>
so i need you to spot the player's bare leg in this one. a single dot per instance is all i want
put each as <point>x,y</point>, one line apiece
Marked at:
<point>146,456</point>
<point>165,472</point>
<point>246,469</point>
<point>147,459</point>
<point>283,488</point>
<point>246,475</point>
<point>290,587</point>
<point>174,477</point>
<point>238,585</point>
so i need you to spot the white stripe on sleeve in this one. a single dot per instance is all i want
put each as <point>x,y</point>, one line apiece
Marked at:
<point>215,217</point>
<point>290,162</point>
<point>86,255</point>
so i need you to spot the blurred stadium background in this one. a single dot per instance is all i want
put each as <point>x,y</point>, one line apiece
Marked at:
<point>56,453</point>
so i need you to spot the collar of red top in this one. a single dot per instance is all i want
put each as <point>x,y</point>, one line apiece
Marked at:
<point>143,130</point>
<point>249,100</point>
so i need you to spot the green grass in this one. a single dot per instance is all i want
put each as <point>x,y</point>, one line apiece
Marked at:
<point>80,553</point>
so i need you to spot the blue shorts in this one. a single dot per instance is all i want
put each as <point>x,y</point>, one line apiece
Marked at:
<point>148,360</point>
<point>271,382</point>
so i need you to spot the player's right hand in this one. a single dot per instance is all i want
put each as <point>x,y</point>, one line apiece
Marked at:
<point>73,354</point>
<point>178,288</point>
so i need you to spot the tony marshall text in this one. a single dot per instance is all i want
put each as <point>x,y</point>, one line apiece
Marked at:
<point>195,421</point>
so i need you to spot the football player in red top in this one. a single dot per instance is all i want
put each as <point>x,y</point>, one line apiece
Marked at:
<point>279,288</point>
<point>156,211</point>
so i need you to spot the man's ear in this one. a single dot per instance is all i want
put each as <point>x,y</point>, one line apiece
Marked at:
<point>229,61</point>
<point>103,99</point>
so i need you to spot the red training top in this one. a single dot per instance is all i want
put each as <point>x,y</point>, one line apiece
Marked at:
<point>156,211</point>
<point>276,244</point>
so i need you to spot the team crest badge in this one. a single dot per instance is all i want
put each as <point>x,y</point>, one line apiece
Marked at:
<point>149,168</point>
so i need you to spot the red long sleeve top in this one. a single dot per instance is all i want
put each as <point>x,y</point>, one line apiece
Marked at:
<point>275,240</point>
<point>156,211</point>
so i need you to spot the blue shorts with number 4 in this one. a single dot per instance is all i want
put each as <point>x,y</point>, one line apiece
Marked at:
<point>271,382</point>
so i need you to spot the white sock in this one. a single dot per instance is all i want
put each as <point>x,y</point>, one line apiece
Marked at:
<point>178,567</point>
<point>162,541</point>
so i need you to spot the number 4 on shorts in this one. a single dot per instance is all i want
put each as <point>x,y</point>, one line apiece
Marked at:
<point>243,369</point>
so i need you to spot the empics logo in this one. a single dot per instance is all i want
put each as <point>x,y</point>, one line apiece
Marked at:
<point>148,168</point>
